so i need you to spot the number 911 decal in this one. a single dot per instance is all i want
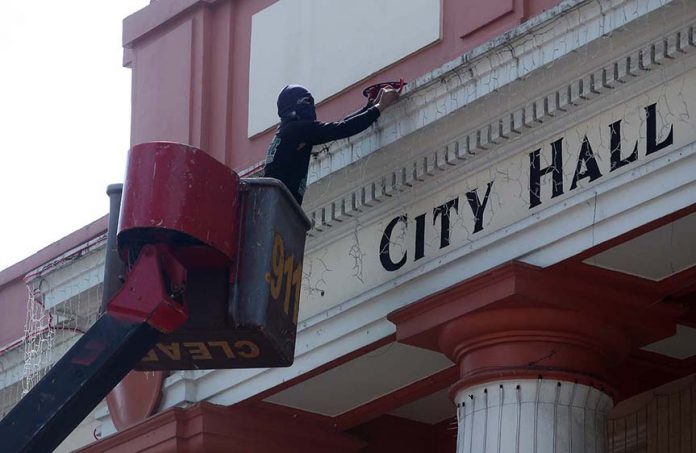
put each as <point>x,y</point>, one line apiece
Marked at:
<point>285,274</point>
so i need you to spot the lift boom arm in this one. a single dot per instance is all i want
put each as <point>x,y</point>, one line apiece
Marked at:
<point>136,317</point>
<point>199,244</point>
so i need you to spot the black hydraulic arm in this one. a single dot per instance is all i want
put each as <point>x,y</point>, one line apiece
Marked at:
<point>75,385</point>
<point>134,314</point>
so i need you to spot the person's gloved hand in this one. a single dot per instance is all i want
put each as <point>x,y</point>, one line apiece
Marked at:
<point>385,98</point>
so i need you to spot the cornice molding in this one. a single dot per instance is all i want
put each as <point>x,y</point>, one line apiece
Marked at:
<point>482,144</point>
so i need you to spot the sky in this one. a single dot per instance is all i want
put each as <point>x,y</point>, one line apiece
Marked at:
<point>64,117</point>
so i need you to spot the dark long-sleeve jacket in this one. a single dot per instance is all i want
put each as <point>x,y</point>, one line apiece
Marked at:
<point>288,155</point>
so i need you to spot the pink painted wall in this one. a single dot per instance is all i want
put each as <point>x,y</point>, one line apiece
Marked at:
<point>190,62</point>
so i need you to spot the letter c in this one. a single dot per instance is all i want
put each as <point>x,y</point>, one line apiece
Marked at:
<point>384,257</point>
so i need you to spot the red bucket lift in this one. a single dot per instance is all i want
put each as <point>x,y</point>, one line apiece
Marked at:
<point>205,273</point>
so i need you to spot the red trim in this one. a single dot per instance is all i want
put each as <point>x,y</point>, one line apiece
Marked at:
<point>679,284</point>
<point>620,280</point>
<point>206,428</point>
<point>676,293</point>
<point>611,296</point>
<point>412,392</point>
<point>15,343</point>
<point>420,317</point>
<point>388,433</point>
<point>515,341</point>
<point>645,370</point>
<point>676,215</point>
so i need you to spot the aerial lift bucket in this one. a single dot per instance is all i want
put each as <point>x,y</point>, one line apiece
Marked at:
<point>244,315</point>
<point>212,275</point>
<point>241,243</point>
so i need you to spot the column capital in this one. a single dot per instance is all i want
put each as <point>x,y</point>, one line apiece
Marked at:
<point>528,342</point>
<point>519,321</point>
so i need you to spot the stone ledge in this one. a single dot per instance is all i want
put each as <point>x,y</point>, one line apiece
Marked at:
<point>482,140</point>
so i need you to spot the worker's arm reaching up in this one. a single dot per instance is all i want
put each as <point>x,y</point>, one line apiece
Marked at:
<point>288,155</point>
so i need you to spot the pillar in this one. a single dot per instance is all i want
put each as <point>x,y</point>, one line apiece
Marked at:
<point>532,379</point>
<point>532,415</point>
<point>537,351</point>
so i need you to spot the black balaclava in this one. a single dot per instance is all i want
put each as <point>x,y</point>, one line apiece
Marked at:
<point>295,102</point>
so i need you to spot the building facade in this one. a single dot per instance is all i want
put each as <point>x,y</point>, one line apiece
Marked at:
<point>504,262</point>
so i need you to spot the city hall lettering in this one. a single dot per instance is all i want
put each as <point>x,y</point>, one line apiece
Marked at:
<point>548,176</point>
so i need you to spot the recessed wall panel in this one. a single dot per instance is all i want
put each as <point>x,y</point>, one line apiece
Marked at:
<point>161,108</point>
<point>328,45</point>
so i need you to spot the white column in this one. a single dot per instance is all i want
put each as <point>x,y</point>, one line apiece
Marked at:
<point>532,416</point>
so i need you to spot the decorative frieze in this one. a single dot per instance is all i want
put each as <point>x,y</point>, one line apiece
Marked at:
<point>483,140</point>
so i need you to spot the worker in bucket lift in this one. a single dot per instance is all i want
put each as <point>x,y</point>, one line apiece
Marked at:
<point>288,155</point>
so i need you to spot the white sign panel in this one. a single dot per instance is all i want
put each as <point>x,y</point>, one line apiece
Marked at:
<point>328,45</point>
<point>617,141</point>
